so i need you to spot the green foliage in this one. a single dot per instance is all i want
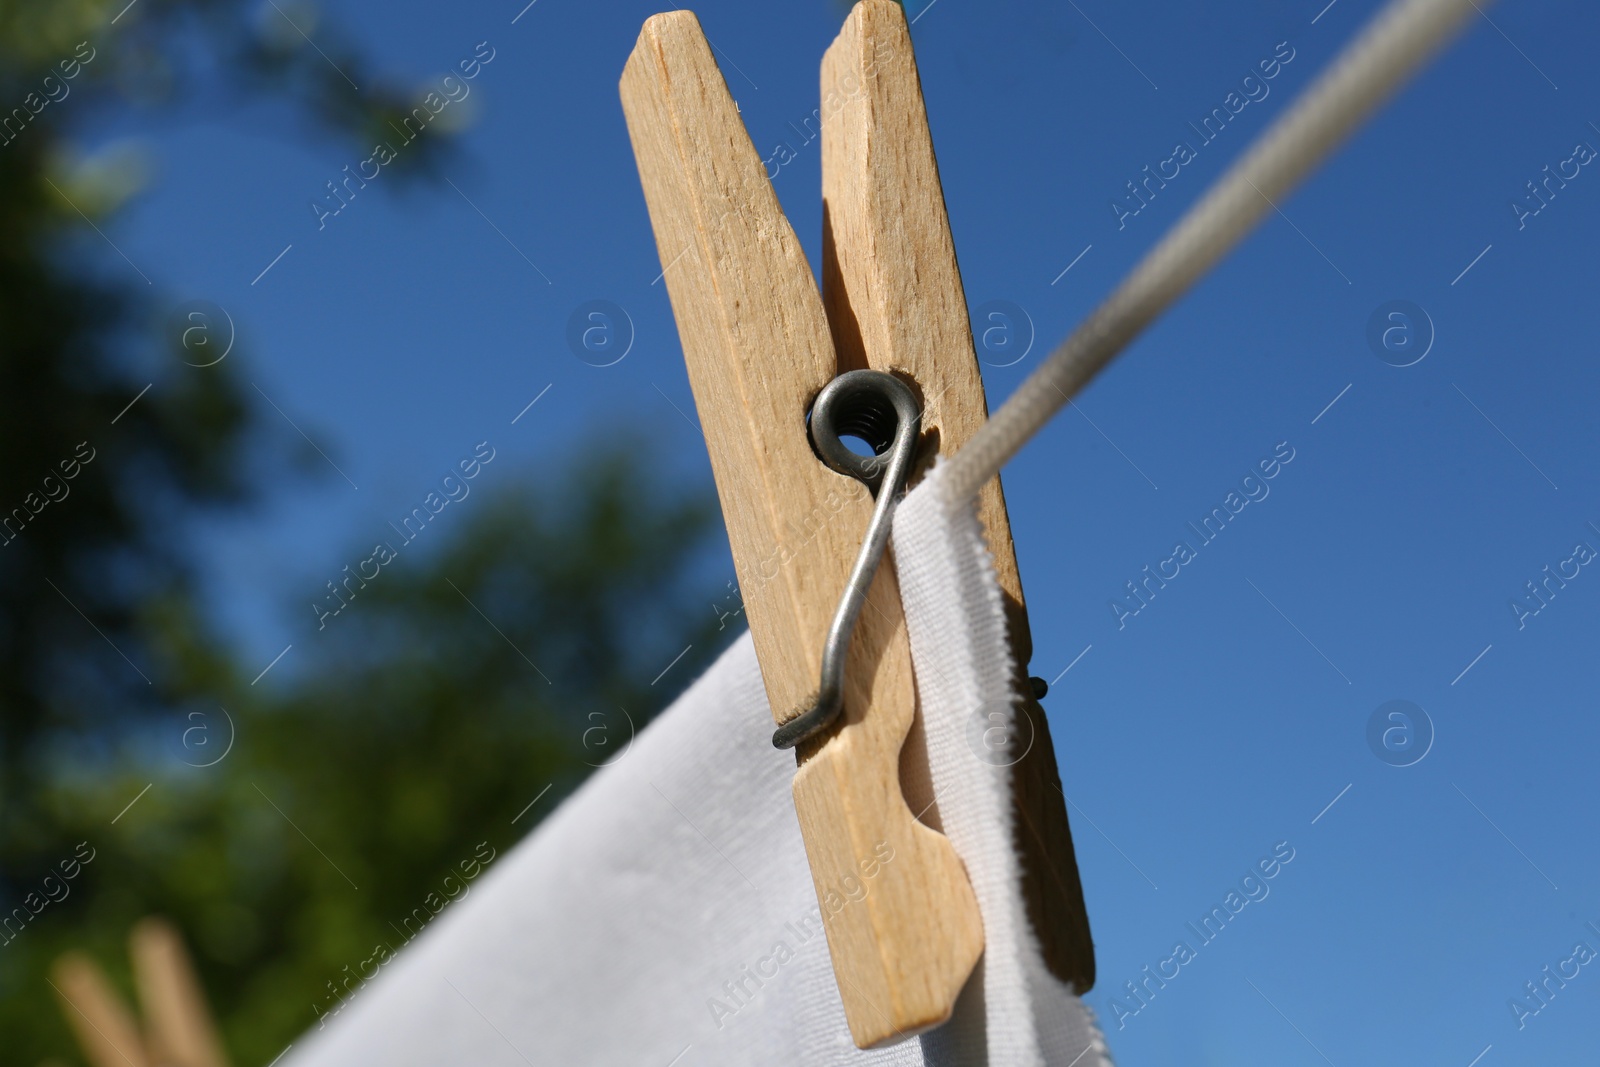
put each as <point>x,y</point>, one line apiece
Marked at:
<point>68,354</point>
<point>414,731</point>
<point>369,767</point>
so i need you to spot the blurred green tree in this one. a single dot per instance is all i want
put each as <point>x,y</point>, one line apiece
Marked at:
<point>414,731</point>
<point>418,741</point>
<point>69,367</point>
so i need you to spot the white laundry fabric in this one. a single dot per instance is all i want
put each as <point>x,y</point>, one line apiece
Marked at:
<point>664,915</point>
<point>1013,1010</point>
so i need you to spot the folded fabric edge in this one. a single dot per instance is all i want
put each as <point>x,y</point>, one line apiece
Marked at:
<point>1015,1012</point>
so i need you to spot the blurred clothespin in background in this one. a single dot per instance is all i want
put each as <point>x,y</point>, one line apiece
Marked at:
<point>176,1030</point>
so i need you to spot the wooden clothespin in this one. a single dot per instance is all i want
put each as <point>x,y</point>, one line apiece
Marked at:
<point>761,342</point>
<point>177,1031</point>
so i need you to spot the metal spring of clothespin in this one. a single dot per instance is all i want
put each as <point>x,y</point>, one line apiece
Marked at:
<point>881,410</point>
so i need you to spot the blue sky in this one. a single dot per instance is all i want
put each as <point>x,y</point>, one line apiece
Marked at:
<point>1229,713</point>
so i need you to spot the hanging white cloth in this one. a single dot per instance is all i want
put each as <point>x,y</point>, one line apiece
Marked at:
<point>664,915</point>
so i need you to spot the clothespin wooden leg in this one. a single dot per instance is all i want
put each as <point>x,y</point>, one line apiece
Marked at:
<point>895,303</point>
<point>105,1028</point>
<point>177,1020</point>
<point>757,345</point>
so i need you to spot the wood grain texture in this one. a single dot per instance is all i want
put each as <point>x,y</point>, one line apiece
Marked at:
<point>894,299</point>
<point>757,345</point>
<point>106,1030</point>
<point>177,1020</point>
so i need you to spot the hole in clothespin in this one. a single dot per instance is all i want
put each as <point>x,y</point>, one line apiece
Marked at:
<point>863,421</point>
<point>859,445</point>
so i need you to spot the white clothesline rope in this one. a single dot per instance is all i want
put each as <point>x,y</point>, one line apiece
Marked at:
<point>1369,69</point>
